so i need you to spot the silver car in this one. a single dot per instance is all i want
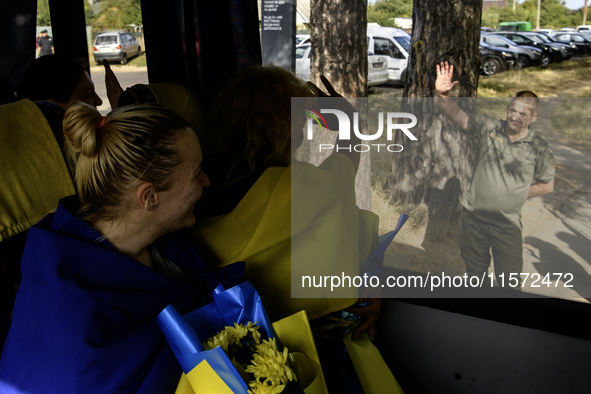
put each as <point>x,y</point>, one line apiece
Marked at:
<point>116,46</point>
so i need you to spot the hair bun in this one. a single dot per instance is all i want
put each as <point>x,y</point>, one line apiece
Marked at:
<point>81,124</point>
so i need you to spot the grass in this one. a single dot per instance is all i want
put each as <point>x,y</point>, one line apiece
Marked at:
<point>557,80</point>
<point>571,117</point>
<point>569,80</point>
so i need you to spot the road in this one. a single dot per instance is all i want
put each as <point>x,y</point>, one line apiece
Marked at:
<point>557,226</point>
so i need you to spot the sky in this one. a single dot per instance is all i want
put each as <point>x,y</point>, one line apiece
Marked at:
<point>575,4</point>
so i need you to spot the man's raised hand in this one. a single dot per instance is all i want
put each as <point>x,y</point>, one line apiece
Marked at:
<point>443,83</point>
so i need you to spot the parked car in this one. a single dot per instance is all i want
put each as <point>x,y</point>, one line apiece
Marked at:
<point>381,43</point>
<point>302,62</point>
<point>545,31</point>
<point>586,33</point>
<point>377,70</point>
<point>581,42</point>
<point>550,52</point>
<point>302,39</point>
<point>377,66</point>
<point>569,48</point>
<point>527,55</point>
<point>583,28</point>
<point>115,46</point>
<point>494,60</point>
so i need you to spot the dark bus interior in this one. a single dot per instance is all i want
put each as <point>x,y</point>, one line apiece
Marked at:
<point>506,344</point>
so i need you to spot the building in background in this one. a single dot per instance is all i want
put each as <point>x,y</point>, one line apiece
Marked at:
<point>498,3</point>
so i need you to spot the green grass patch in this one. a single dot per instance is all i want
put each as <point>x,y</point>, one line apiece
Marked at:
<point>571,118</point>
<point>568,82</point>
<point>557,80</point>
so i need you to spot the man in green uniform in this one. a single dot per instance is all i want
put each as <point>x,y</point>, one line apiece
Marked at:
<point>513,164</point>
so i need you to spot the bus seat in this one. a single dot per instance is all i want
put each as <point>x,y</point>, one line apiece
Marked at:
<point>177,97</point>
<point>34,178</point>
<point>34,172</point>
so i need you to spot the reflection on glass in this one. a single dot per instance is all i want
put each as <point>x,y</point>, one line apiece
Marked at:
<point>466,187</point>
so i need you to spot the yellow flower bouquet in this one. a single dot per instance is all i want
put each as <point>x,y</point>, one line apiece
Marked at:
<point>260,363</point>
<point>244,352</point>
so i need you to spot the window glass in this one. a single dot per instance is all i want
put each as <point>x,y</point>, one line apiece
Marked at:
<point>383,47</point>
<point>495,42</point>
<point>404,42</point>
<point>300,52</point>
<point>105,40</point>
<point>536,38</point>
<point>395,51</point>
<point>517,39</point>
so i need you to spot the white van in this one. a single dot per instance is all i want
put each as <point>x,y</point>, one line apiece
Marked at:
<point>383,42</point>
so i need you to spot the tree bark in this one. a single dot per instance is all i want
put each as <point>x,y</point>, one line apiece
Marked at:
<point>436,170</point>
<point>339,52</point>
<point>339,45</point>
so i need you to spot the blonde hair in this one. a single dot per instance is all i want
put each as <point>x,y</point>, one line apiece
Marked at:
<point>132,144</point>
<point>251,117</point>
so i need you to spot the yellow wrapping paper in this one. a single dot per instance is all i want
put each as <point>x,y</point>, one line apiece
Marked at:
<point>373,373</point>
<point>202,379</point>
<point>34,173</point>
<point>294,333</point>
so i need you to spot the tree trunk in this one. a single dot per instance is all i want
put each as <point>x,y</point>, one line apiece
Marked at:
<point>339,45</point>
<point>436,170</point>
<point>339,52</point>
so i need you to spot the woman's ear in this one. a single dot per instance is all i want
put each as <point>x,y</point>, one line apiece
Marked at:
<point>146,197</point>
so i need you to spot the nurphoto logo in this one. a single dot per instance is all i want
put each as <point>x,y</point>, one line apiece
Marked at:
<point>344,130</point>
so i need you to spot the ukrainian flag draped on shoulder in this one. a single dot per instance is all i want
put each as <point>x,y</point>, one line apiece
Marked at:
<point>303,212</point>
<point>85,314</point>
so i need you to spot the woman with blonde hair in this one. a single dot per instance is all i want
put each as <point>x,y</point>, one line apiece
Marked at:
<point>97,272</point>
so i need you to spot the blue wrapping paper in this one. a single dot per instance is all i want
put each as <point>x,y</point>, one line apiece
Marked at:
<point>240,304</point>
<point>187,348</point>
<point>373,264</point>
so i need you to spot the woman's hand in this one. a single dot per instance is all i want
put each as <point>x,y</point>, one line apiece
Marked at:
<point>319,92</point>
<point>343,105</point>
<point>112,85</point>
<point>339,102</point>
<point>371,313</point>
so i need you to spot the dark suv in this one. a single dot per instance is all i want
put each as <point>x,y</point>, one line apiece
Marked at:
<point>581,43</point>
<point>527,55</point>
<point>551,52</point>
<point>494,60</point>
